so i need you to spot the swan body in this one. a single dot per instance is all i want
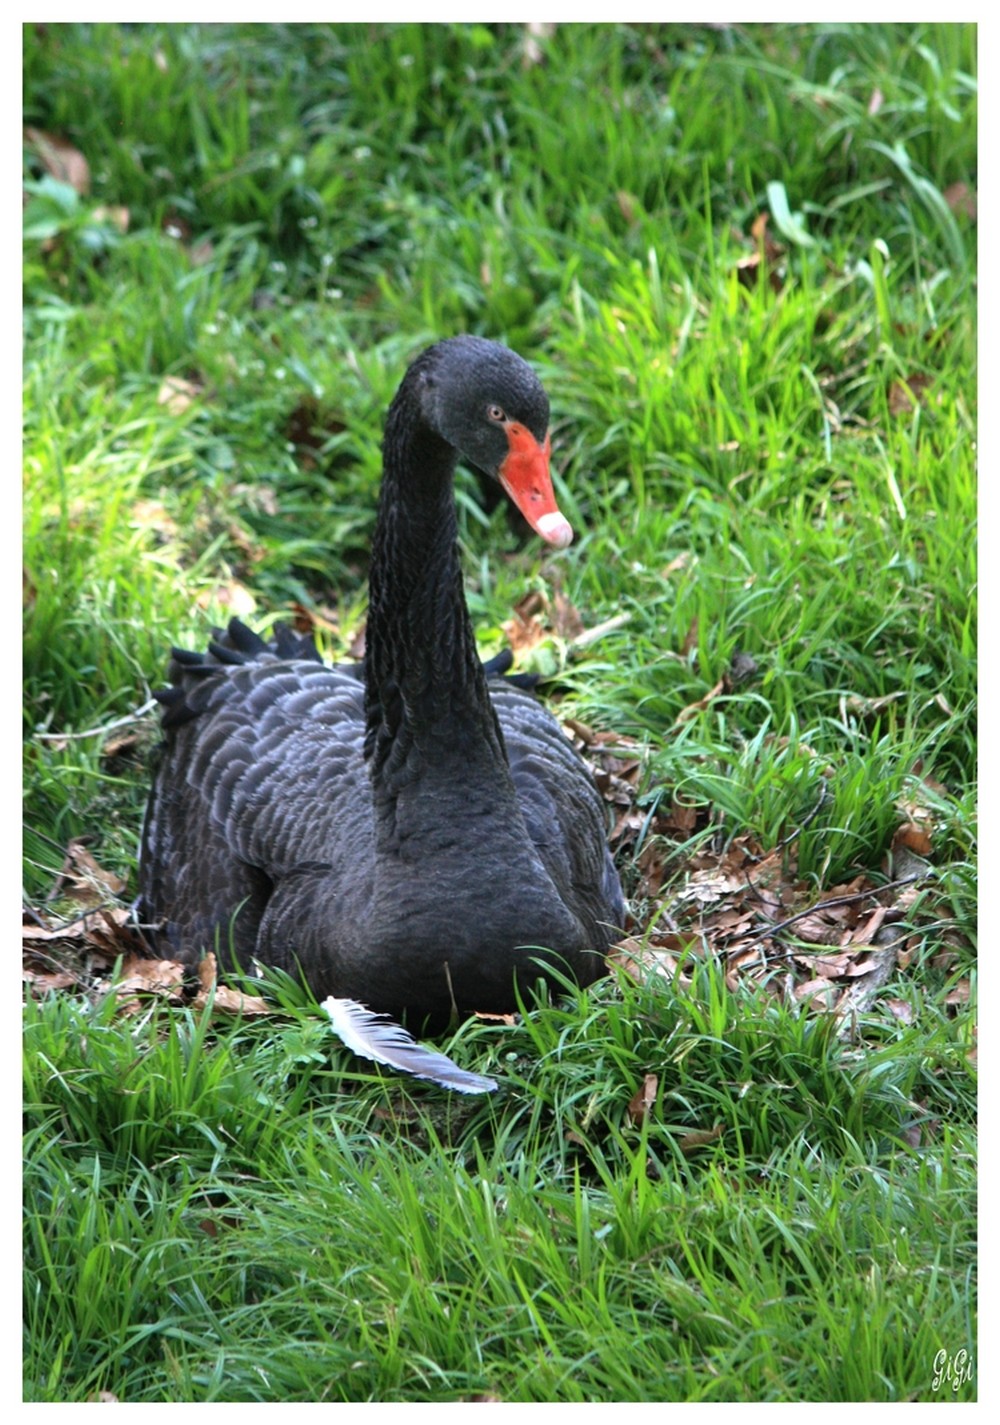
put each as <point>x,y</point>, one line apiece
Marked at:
<point>415,833</point>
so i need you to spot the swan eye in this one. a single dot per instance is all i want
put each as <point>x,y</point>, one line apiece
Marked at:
<point>496,413</point>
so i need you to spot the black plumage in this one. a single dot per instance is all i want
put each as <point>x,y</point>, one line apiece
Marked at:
<point>416,833</point>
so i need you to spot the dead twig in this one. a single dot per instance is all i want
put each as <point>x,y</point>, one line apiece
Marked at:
<point>796,831</point>
<point>591,635</point>
<point>136,716</point>
<point>829,904</point>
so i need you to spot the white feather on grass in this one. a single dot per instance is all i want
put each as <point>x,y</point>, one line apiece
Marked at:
<point>376,1036</point>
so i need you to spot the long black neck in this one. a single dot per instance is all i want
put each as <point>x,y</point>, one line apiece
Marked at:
<point>430,724</point>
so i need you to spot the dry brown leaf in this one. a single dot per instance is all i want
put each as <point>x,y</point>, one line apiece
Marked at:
<point>869,707</point>
<point>914,837</point>
<point>533,602</point>
<point>643,1099</point>
<point>152,515</point>
<point>706,886</point>
<point>925,1130</point>
<point>639,958</point>
<point>628,206</point>
<point>855,889</point>
<point>226,1000</point>
<point>83,880</point>
<point>627,824</point>
<point>865,964</point>
<point>112,932</point>
<point>177,394</point>
<point>229,1001</point>
<point>47,981</point>
<point>628,951</point>
<point>961,199</point>
<point>305,620</point>
<point>692,709</point>
<point>60,158</point>
<point>900,1009</point>
<point>616,750</point>
<point>931,783</point>
<point>233,596</point>
<point>690,638</point>
<point>108,924</point>
<point>958,994</point>
<point>830,967</point>
<point>120,747</point>
<point>156,977</point>
<point>700,1138</point>
<point>817,930</point>
<point>617,788</point>
<point>525,629</point>
<point>749,269</point>
<point>535,618</point>
<point>356,646</point>
<point>743,957</point>
<point>566,621</point>
<point>652,860</point>
<point>681,562</point>
<point>865,932</point>
<point>758,228</point>
<point>46,934</point>
<point>207,971</point>
<point>581,730</point>
<point>905,395</point>
<point>733,900</point>
<point>814,988</point>
<point>764,260</point>
<point>734,922</point>
<point>680,816</point>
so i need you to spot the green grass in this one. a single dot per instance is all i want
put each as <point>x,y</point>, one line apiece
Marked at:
<point>784,470</point>
<point>233,1218</point>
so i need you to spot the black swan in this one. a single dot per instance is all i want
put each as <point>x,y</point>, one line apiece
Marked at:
<point>415,833</point>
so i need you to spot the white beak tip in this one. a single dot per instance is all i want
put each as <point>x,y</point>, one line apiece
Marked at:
<point>555,529</point>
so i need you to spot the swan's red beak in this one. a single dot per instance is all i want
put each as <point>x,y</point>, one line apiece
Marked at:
<point>524,474</point>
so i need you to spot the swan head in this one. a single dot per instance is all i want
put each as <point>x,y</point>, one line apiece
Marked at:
<point>487,403</point>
